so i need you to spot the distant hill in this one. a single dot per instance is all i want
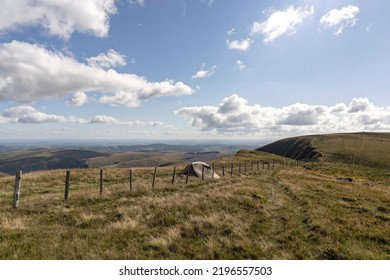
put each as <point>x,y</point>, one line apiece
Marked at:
<point>45,159</point>
<point>365,148</point>
<point>31,158</point>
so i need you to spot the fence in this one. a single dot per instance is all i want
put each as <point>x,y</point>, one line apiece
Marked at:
<point>224,169</point>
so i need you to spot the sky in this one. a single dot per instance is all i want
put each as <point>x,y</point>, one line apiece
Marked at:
<point>193,69</point>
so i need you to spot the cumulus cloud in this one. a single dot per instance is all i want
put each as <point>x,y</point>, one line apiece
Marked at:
<point>234,115</point>
<point>29,72</point>
<point>205,73</point>
<point>240,45</point>
<point>78,99</point>
<point>128,99</point>
<point>281,22</point>
<point>104,119</point>
<point>360,105</point>
<point>59,18</point>
<point>107,60</point>
<point>342,18</point>
<point>301,114</point>
<point>28,114</point>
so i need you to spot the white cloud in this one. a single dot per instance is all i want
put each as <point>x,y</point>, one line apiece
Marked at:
<point>342,18</point>
<point>28,114</point>
<point>78,99</point>
<point>205,73</point>
<point>235,116</point>
<point>121,98</point>
<point>104,119</point>
<point>301,114</point>
<point>240,45</point>
<point>240,65</point>
<point>107,60</point>
<point>29,72</point>
<point>60,18</point>
<point>281,22</point>
<point>360,105</point>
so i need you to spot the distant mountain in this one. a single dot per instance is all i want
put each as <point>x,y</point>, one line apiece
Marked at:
<point>366,148</point>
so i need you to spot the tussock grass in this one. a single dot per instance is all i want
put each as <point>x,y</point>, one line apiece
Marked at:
<point>296,213</point>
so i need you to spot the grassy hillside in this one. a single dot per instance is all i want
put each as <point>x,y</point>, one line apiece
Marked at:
<point>364,148</point>
<point>296,213</point>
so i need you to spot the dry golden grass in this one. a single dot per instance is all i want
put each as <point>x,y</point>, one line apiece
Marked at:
<point>296,213</point>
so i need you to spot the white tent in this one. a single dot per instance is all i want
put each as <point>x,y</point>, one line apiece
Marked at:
<point>198,168</point>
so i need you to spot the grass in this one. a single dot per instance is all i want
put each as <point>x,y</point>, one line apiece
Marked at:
<point>364,148</point>
<point>295,213</point>
<point>355,148</point>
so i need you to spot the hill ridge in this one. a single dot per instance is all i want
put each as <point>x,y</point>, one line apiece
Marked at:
<point>365,148</point>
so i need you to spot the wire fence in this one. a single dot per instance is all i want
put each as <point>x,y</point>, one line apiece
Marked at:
<point>156,176</point>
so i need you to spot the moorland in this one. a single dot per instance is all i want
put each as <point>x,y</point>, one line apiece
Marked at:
<point>269,210</point>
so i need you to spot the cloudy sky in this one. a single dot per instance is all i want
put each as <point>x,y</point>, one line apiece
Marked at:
<point>192,69</point>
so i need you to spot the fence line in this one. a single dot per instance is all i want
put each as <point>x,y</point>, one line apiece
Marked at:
<point>18,184</point>
<point>67,185</point>
<point>282,164</point>
<point>101,182</point>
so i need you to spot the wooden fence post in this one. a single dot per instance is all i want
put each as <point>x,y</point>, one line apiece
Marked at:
<point>154,177</point>
<point>257,165</point>
<point>173,175</point>
<point>252,166</point>
<point>202,172</point>
<point>67,181</point>
<point>223,170</point>
<point>18,184</point>
<point>245,166</point>
<point>231,169</point>
<point>212,172</point>
<point>101,181</point>
<point>131,180</point>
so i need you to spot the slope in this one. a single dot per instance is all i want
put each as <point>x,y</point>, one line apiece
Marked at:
<point>278,213</point>
<point>370,149</point>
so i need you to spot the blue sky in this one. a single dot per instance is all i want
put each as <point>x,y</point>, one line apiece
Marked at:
<point>195,69</point>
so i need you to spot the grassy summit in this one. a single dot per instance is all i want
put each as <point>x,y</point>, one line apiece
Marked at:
<point>299,212</point>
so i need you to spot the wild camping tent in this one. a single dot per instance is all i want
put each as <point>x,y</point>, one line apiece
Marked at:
<point>197,168</point>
